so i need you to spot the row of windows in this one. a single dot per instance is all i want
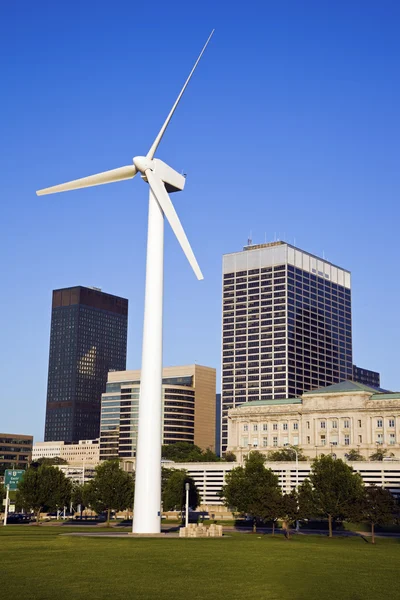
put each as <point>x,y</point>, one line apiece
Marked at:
<point>322,424</point>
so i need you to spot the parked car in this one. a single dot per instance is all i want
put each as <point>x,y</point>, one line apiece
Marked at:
<point>18,518</point>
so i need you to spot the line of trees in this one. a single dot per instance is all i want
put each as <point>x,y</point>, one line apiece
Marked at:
<point>45,488</point>
<point>185,452</point>
<point>332,491</point>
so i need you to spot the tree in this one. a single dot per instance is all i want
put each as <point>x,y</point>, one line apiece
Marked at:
<point>252,489</point>
<point>2,497</point>
<point>286,454</point>
<point>230,457</point>
<point>289,510</point>
<point>380,454</point>
<point>110,489</point>
<point>173,492</point>
<point>186,452</point>
<point>354,456</point>
<point>336,488</point>
<point>80,495</point>
<point>56,460</point>
<point>43,487</point>
<point>306,500</point>
<point>377,507</point>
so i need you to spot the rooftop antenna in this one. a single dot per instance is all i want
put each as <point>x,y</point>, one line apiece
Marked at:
<point>249,240</point>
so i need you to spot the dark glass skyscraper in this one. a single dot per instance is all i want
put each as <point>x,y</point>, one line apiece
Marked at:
<point>366,376</point>
<point>88,339</point>
<point>286,325</point>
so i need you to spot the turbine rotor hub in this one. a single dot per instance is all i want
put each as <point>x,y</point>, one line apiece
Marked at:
<point>142,163</point>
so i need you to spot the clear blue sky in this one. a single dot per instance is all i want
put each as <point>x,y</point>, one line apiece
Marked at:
<point>290,127</point>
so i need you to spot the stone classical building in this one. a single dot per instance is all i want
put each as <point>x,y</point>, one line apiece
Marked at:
<point>334,419</point>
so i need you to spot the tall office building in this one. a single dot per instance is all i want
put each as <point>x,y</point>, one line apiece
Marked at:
<point>188,410</point>
<point>286,325</point>
<point>366,376</point>
<point>88,339</point>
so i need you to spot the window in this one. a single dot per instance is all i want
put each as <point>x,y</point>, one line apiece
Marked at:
<point>275,441</point>
<point>245,427</point>
<point>255,442</point>
<point>323,424</point>
<point>285,426</point>
<point>380,438</point>
<point>308,440</point>
<point>323,440</point>
<point>392,439</point>
<point>379,423</point>
<point>265,427</point>
<point>245,441</point>
<point>275,427</point>
<point>346,424</point>
<point>308,424</point>
<point>359,422</point>
<point>347,440</point>
<point>295,426</point>
<point>360,439</point>
<point>265,441</point>
<point>255,427</point>
<point>391,422</point>
<point>334,424</point>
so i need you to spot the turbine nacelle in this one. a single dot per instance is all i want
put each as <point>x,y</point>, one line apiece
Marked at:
<point>172,180</point>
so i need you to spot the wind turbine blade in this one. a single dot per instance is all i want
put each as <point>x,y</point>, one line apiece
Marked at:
<point>158,139</point>
<point>106,177</point>
<point>159,191</point>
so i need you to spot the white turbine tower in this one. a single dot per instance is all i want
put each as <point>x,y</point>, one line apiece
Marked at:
<point>161,179</point>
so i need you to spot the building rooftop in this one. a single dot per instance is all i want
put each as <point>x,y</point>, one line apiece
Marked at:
<point>388,396</point>
<point>276,401</point>
<point>337,388</point>
<point>345,386</point>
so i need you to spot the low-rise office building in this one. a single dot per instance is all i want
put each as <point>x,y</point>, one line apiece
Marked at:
<point>85,451</point>
<point>210,477</point>
<point>188,415</point>
<point>335,419</point>
<point>15,451</point>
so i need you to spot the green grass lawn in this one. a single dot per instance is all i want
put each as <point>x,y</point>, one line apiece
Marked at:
<point>40,564</point>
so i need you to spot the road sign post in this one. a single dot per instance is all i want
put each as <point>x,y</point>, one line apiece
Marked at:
<point>6,506</point>
<point>12,478</point>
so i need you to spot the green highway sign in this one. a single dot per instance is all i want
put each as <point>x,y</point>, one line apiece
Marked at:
<point>12,478</point>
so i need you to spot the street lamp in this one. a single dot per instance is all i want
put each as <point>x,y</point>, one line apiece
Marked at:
<point>297,476</point>
<point>187,488</point>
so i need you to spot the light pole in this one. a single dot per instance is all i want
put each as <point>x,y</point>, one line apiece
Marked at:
<point>187,488</point>
<point>297,477</point>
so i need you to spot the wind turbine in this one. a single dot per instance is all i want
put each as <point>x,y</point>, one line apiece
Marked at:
<point>161,179</point>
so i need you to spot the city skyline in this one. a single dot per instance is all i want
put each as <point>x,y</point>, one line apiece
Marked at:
<point>321,121</point>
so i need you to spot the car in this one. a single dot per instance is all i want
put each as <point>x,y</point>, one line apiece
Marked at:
<point>18,518</point>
